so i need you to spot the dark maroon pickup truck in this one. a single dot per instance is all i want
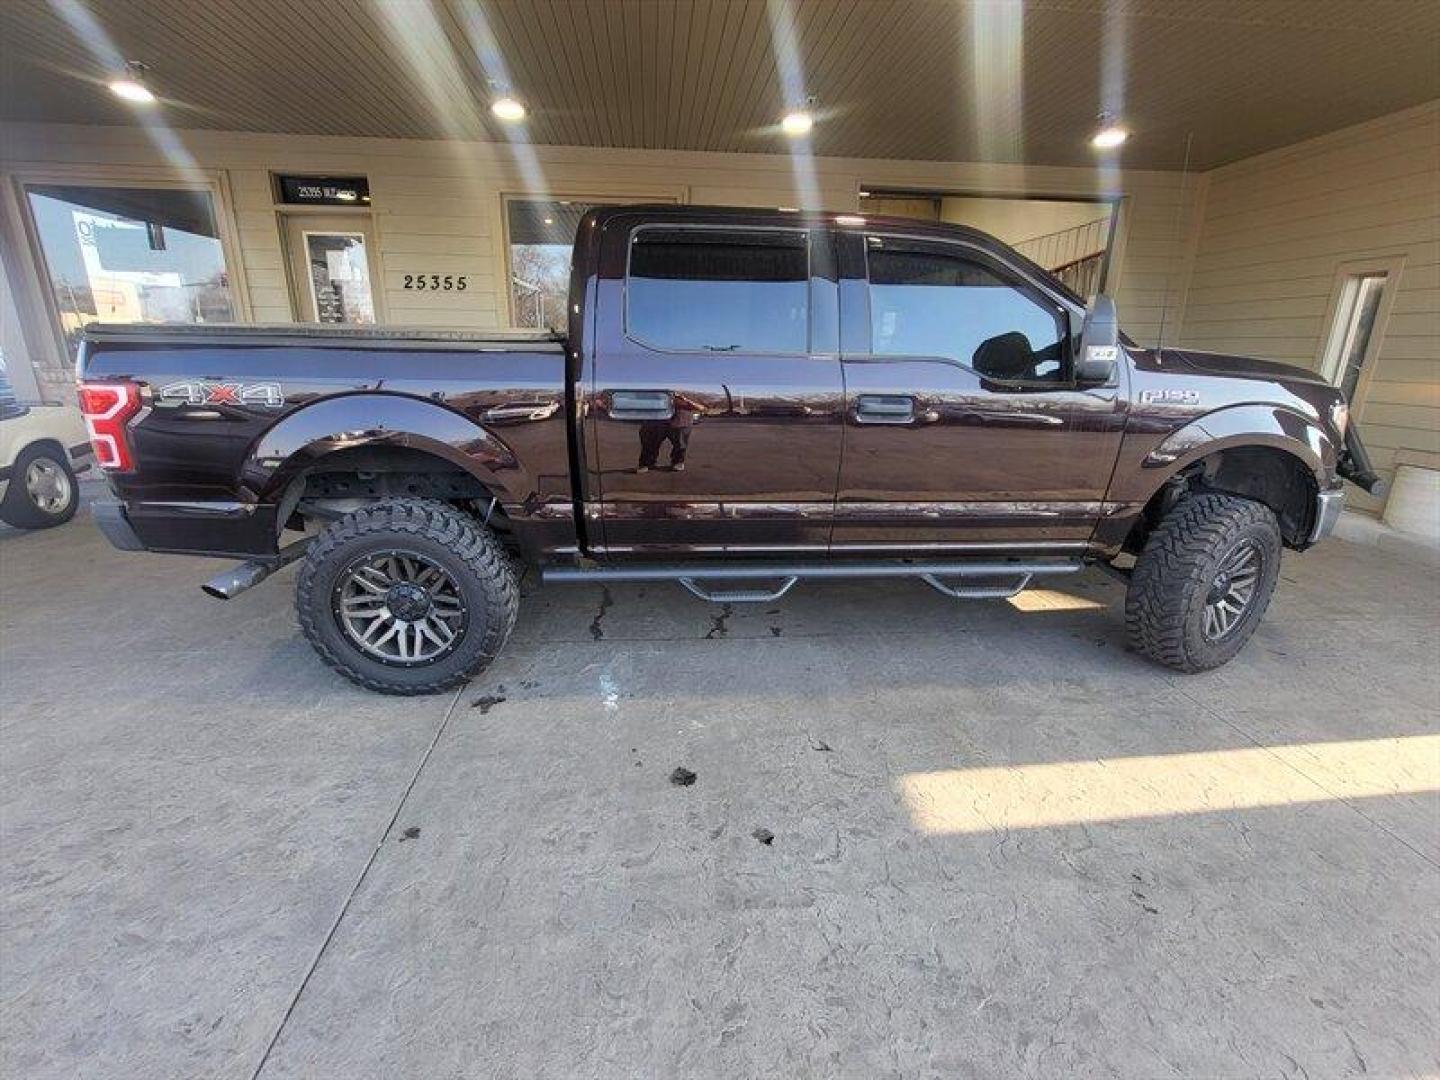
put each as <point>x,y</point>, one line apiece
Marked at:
<point>744,399</point>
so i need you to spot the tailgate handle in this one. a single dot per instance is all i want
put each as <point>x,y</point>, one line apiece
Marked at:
<point>884,409</point>
<point>641,405</point>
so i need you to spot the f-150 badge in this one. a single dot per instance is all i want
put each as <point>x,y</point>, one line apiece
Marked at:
<point>1170,397</point>
<point>266,395</point>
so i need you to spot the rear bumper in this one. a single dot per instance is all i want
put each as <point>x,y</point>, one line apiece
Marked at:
<point>110,518</point>
<point>242,530</point>
<point>1328,506</point>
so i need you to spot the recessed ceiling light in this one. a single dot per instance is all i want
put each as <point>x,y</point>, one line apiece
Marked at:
<point>508,109</point>
<point>864,194</point>
<point>549,221</point>
<point>1109,136</point>
<point>797,123</point>
<point>849,219</point>
<point>131,86</point>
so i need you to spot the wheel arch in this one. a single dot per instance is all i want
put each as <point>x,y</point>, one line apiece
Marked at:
<point>376,424</point>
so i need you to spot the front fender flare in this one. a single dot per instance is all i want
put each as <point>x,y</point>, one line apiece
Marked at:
<point>1243,425</point>
<point>370,419</point>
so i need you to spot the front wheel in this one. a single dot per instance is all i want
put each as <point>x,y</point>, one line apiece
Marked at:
<point>407,596</point>
<point>1203,582</point>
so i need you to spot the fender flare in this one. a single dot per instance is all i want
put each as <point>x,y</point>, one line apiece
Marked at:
<point>1242,425</point>
<point>306,435</point>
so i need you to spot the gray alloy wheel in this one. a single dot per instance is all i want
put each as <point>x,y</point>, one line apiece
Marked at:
<point>400,607</point>
<point>1233,590</point>
<point>43,491</point>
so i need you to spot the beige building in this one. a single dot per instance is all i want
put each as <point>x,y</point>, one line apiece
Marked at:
<point>1317,249</point>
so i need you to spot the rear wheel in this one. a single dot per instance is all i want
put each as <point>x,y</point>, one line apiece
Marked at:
<point>42,492</point>
<point>1203,582</point>
<point>407,596</point>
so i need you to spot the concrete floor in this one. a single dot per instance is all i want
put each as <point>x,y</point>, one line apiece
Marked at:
<point>1002,846</point>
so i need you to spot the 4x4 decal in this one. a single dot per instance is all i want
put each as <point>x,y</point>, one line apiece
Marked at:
<point>268,395</point>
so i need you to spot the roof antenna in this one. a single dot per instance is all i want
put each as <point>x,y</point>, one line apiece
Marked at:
<point>1179,211</point>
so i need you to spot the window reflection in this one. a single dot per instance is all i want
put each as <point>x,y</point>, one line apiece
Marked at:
<point>719,290</point>
<point>130,255</point>
<point>923,303</point>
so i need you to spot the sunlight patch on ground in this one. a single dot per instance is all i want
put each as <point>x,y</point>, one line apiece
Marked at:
<point>961,801</point>
<point>1051,600</point>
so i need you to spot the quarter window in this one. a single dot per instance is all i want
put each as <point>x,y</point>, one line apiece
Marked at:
<point>929,303</point>
<point>719,290</point>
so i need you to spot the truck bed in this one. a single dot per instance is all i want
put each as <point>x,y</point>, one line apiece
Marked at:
<point>233,414</point>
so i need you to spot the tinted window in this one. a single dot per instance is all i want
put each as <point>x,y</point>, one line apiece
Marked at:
<point>722,290</point>
<point>926,303</point>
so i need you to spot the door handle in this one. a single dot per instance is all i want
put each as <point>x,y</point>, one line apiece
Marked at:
<point>884,408</point>
<point>641,404</point>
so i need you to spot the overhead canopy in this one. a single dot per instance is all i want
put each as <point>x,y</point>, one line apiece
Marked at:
<point>922,79</point>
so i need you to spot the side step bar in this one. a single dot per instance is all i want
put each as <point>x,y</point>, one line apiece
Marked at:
<point>977,580</point>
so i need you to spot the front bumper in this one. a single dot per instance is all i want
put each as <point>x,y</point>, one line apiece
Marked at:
<point>1328,506</point>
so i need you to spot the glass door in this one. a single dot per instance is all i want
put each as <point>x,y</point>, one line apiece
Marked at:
<point>330,268</point>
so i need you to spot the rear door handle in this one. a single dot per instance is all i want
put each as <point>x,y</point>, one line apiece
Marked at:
<point>641,404</point>
<point>884,408</point>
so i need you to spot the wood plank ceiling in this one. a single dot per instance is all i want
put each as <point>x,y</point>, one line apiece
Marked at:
<point>927,79</point>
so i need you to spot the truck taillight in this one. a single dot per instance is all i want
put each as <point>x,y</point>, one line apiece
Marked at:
<point>108,407</point>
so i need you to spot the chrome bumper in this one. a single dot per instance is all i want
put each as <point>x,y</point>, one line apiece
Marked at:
<point>1328,505</point>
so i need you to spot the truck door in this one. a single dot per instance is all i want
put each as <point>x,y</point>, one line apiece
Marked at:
<point>965,429</point>
<point>715,397</point>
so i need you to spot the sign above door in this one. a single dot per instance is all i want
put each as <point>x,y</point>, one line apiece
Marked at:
<point>323,190</point>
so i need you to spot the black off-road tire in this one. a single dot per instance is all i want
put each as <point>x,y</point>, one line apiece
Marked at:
<point>469,552</point>
<point>1176,573</point>
<point>19,507</point>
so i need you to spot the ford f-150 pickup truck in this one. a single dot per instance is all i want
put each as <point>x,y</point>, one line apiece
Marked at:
<point>743,400</point>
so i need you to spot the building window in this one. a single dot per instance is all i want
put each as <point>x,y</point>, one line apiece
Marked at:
<point>719,290</point>
<point>541,234</point>
<point>1353,330</point>
<point>130,255</point>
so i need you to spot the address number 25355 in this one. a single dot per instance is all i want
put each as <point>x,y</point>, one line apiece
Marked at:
<point>437,282</point>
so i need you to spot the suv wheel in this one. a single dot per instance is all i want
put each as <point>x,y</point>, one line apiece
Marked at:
<point>407,596</point>
<point>1203,582</point>
<point>43,491</point>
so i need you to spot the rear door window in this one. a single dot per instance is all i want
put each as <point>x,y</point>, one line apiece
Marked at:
<point>723,290</point>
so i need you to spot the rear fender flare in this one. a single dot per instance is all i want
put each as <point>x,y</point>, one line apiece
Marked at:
<point>305,436</point>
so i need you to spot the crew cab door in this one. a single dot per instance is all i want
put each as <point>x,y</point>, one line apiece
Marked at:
<point>713,420</point>
<point>965,428</point>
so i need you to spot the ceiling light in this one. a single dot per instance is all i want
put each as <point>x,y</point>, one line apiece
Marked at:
<point>1109,136</point>
<point>849,219</point>
<point>797,123</point>
<point>549,221</point>
<point>864,195</point>
<point>508,109</point>
<point>131,86</point>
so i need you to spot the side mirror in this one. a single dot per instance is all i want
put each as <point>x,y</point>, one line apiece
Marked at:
<point>1099,343</point>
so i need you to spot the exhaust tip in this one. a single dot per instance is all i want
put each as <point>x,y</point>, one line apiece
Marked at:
<point>210,589</point>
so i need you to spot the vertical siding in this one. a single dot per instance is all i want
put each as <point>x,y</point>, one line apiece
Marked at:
<point>1274,233</point>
